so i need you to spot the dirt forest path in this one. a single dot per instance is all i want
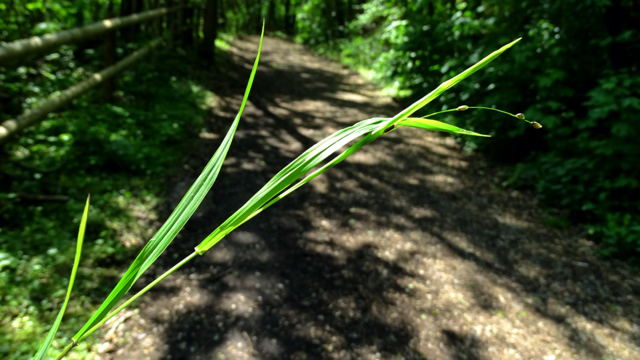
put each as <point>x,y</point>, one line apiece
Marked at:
<point>410,249</point>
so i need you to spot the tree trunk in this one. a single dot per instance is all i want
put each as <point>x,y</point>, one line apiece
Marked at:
<point>78,52</point>
<point>187,36</point>
<point>210,30</point>
<point>137,7</point>
<point>31,117</point>
<point>109,57</point>
<point>21,48</point>
<point>157,23</point>
<point>222,14</point>
<point>613,16</point>
<point>126,9</point>
<point>339,9</point>
<point>271,14</point>
<point>197,16</point>
<point>288,18</point>
<point>254,8</point>
<point>169,20</point>
<point>348,11</point>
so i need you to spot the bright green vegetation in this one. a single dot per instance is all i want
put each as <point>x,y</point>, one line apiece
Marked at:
<point>575,71</point>
<point>119,152</point>
<point>274,190</point>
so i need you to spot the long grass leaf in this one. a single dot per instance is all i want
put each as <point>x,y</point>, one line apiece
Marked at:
<point>281,184</point>
<point>292,172</point>
<point>435,125</point>
<point>442,88</point>
<point>176,221</point>
<point>42,351</point>
<point>278,187</point>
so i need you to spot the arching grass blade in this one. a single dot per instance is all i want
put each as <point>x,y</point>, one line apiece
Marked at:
<point>435,125</point>
<point>42,351</point>
<point>283,179</point>
<point>442,88</point>
<point>176,220</point>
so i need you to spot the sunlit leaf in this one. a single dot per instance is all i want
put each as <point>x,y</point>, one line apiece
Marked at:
<point>435,125</point>
<point>441,89</point>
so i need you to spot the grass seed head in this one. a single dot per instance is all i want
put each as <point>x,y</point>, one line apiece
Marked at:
<point>462,108</point>
<point>536,125</point>
<point>520,116</point>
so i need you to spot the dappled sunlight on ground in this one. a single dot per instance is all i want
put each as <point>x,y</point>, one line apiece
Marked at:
<point>409,250</point>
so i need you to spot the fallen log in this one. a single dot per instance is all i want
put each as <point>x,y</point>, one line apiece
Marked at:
<point>32,116</point>
<point>21,48</point>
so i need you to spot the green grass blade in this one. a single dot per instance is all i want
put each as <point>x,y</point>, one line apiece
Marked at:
<point>42,351</point>
<point>441,89</point>
<point>355,147</point>
<point>292,172</point>
<point>278,187</point>
<point>435,125</point>
<point>176,221</point>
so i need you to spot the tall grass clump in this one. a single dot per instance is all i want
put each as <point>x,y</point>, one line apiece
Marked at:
<point>290,178</point>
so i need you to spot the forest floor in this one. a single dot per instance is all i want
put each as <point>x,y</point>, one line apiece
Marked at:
<point>410,249</point>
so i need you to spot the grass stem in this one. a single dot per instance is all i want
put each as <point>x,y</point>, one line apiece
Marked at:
<point>132,299</point>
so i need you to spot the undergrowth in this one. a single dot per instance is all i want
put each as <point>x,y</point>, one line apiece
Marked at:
<point>119,153</point>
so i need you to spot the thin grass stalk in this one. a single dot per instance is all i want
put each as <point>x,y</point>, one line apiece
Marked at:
<point>137,295</point>
<point>169,230</point>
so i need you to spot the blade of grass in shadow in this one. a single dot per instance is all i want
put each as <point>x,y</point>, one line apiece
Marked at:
<point>42,351</point>
<point>175,222</point>
<point>442,88</point>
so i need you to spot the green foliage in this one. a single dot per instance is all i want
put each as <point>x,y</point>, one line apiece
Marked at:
<point>120,154</point>
<point>277,188</point>
<point>21,19</point>
<point>575,72</point>
<point>176,221</point>
<point>592,170</point>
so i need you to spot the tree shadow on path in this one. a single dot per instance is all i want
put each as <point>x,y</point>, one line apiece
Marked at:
<point>407,250</point>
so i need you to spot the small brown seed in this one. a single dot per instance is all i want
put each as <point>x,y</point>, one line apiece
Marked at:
<point>536,125</point>
<point>520,116</point>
